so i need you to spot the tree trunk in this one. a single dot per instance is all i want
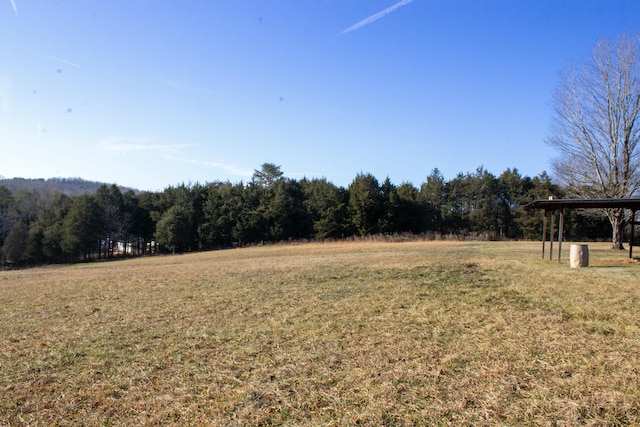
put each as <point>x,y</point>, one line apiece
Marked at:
<point>617,224</point>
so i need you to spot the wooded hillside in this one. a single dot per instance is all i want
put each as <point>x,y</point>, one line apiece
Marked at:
<point>68,186</point>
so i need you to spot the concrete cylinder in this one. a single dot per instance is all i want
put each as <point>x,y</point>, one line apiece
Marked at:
<point>579,256</point>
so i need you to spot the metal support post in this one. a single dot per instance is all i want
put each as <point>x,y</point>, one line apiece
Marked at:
<point>633,223</point>
<point>544,232</point>
<point>560,234</point>
<point>553,223</point>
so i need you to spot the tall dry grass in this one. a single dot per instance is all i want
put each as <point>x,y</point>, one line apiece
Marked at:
<point>414,333</point>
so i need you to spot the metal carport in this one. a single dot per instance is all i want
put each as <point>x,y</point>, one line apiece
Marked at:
<point>552,205</point>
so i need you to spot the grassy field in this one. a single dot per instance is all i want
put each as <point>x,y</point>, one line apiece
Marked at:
<point>419,333</point>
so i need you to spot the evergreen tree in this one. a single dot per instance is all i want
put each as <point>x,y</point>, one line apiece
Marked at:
<point>174,230</point>
<point>433,196</point>
<point>456,207</point>
<point>483,200</point>
<point>286,214</point>
<point>47,232</point>
<point>389,208</point>
<point>137,222</point>
<point>221,210</point>
<point>365,204</point>
<point>111,203</point>
<point>15,245</point>
<point>411,214</point>
<point>83,227</point>
<point>251,224</point>
<point>515,190</point>
<point>326,206</point>
<point>268,174</point>
<point>6,222</point>
<point>199,195</point>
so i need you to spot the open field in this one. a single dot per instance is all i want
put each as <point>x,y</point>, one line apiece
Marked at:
<point>333,334</point>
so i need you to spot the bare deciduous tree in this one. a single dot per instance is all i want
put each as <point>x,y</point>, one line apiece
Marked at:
<point>596,126</point>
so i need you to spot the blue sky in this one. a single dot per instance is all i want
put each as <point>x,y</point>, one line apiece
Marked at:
<point>153,93</point>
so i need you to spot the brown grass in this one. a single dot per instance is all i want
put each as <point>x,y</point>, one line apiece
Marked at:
<point>423,333</point>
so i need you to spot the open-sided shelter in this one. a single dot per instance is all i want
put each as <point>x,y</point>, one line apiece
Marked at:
<point>551,205</point>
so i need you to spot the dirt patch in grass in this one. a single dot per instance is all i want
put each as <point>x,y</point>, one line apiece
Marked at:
<point>322,334</point>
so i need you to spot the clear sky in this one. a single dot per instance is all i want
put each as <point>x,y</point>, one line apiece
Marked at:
<point>153,93</point>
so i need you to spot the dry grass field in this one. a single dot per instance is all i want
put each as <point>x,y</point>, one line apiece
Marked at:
<point>419,333</point>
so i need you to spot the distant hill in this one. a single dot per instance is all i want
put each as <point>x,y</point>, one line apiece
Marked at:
<point>68,186</point>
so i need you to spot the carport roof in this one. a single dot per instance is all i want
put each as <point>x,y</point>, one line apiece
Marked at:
<point>555,204</point>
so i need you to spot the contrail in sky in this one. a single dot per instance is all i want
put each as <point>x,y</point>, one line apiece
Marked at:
<point>55,58</point>
<point>15,9</point>
<point>376,16</point>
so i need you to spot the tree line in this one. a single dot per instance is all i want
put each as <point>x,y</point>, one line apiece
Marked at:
<point>50,227</point>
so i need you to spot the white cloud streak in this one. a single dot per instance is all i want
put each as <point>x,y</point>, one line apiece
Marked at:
<point>375,17</point>
<point>15,9</point>
<point>125,145</point>
<point>232,169</point>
